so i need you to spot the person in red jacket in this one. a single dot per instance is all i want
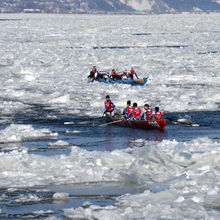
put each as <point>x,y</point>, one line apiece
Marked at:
<point>132,73</point>
<point>93,71</point>
<point>157,114</point>
<point>124,75</point>
<point>109,106</point>
<point>135,113</point>
<point>147,113</point>
<point>113,74</point>
<point>127,110</point>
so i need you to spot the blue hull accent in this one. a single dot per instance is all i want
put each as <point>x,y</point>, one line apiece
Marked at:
<point>133,82</point>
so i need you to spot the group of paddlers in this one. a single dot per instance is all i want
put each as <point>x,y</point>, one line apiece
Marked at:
<point>133,112</point>
<point>114,75</point>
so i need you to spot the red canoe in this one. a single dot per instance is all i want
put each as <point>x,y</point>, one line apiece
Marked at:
<point>150,124</point>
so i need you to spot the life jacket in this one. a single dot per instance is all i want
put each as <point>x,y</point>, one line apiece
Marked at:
<point>147,113</point>
<point>94,70</point>
<point>132,72</point>
<point>128,110</point>
<point>136,112</point>
<point>157,115</point>
<point>109,105</point>
<point>124,73</point>
<point>113,73</point>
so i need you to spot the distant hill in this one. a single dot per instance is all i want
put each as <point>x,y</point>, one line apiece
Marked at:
<point>193,5</point>
<point>115,6</point>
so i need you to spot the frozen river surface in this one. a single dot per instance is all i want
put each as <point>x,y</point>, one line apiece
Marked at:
<point>55,162</point>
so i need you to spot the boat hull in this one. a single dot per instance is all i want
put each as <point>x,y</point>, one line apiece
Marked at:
<point>133,82</point>
<point>149,124</point>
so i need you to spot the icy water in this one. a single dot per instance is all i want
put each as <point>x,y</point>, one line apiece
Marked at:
<point>56,161</point>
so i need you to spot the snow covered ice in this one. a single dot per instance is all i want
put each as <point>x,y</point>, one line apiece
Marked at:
<point>175,175</point>
<point>46,62</point>
<point>179,183</point>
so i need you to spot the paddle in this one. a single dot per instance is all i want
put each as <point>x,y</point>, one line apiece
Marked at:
<point>104,113</point>
<point>83,121</point>
<point>182,121</point>
<point>109,123</point>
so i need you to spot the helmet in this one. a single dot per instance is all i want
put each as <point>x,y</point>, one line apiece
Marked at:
<point>135,104</point>
<point>128,102</point>
<point>107,96</point>
<point>147,105</point>
<point>157,109</point>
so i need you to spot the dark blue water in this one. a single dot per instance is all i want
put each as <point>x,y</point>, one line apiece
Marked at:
<point>92,136</point>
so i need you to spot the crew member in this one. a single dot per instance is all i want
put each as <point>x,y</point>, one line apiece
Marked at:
<point>124,75</point>
<point>93,71</point>
<point>109,106</point>
<point>132,73</point>
<point>147,113</point>
<point>127,110</point>
<point>113,74</point>
<point>105,75</point>
<point>102,74</point>
<point>157,114</point>
<point>136,112</point>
